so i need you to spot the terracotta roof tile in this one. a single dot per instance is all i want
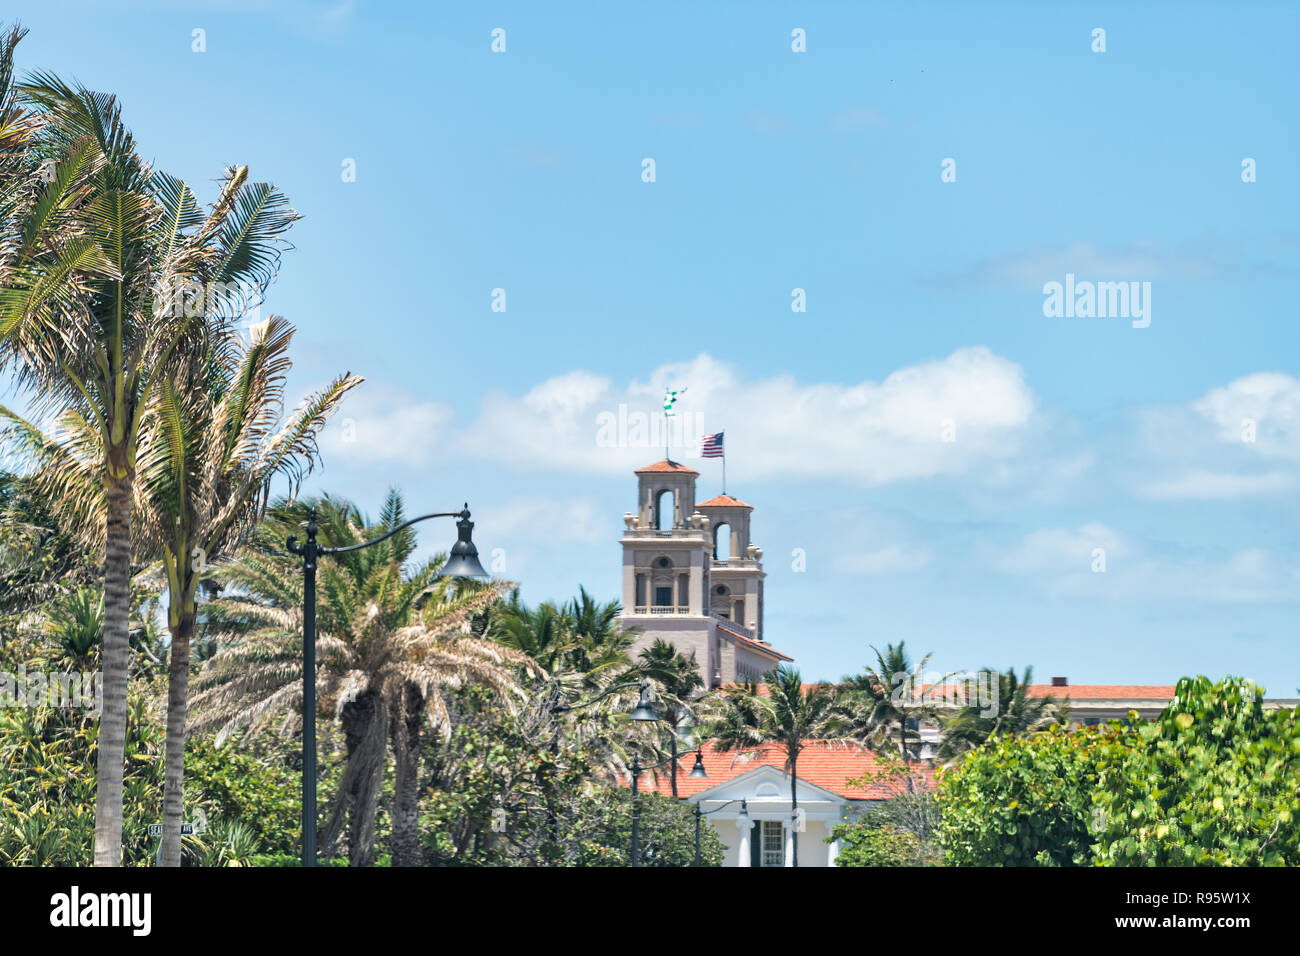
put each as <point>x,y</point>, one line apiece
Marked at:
<point>826,765</point>
<point>667,465</point>
<point>1076,692</point>
<point>724,501</point>
<point>758,646</point>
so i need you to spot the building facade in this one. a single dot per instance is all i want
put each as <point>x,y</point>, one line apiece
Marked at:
<point>693,577</point>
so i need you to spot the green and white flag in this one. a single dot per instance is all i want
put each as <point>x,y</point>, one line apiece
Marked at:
<point>670,399</point>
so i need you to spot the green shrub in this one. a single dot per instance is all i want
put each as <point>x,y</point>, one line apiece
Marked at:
<point>1215,780</point>
<point>1025,801</point>
<point>866,843</point>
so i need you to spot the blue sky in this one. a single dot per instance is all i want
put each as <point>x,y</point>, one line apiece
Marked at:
<point>777,170</point>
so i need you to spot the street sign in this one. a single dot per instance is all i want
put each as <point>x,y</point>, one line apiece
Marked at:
<point>187,829</point>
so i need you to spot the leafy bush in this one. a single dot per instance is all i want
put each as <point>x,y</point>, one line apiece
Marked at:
<point>868,843</point>
<point>47,786</point>
<point>47,793</point>
<point>256,792</point>
<point>1025,801</point>
<point>1214,781</point>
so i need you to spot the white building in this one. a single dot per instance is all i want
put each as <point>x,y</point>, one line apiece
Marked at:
<point>760,830</point>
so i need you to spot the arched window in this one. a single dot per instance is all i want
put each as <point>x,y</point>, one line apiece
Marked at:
<point>664,515</point>
<point>722,542</point>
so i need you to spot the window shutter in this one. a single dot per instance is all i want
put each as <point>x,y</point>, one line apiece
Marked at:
<point>756,844</point>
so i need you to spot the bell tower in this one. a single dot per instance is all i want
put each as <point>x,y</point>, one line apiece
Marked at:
<point>693,578</point>
<point>736,588</point>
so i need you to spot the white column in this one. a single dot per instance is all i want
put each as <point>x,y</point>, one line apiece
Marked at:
<point>744,827</point>
<point>833,852</point>
<point>789,843</point>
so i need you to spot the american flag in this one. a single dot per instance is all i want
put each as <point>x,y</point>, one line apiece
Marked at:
<point>712,446</point>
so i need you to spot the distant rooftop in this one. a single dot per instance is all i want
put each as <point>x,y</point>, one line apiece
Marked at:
<point>667,465</point>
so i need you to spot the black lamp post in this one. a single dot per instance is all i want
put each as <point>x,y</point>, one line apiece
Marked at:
<point>644,712</point>
<point>744,817</point>
<point>462,562</point>
<point>637,770</point>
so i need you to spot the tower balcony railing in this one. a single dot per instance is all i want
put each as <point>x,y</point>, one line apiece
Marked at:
<point>734,563</point>
<point>674,532</point>
<point>662,609</point>
<point>738,628</point>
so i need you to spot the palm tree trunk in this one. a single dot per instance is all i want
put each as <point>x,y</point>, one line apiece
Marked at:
<point>794,807</point>
<point>406,797</point>
<point>112,721</point>
<point>365,732</point>
<point>178,682</point>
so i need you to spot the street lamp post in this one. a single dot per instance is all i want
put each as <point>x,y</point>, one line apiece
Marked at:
<point>637,770</point>
<point>462,562</point>
<point>741,820</point>
<point>644,712</point>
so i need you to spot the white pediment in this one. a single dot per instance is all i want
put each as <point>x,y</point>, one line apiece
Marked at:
<point>765,785</point>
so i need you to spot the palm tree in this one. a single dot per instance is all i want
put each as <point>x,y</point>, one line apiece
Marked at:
<point>885,698</point>
<point>74,625</point>
<point>389,637</point>
<point>1016,713</point>
<point>681,701</point>
<point>97,233</point>
<point>787,716</point>
<point>579,643</point>
<point>214,443</point>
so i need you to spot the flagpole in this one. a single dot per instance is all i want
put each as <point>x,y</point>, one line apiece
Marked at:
<point>724,463</point>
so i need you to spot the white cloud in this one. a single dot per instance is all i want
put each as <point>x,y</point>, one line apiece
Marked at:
<point>381,424</point>
<point>550,521</point>
<point>1238,440</point>
<point>1271,400</point>
<point>1062,562</point>
<point>1059,550</point>
<point>1135,261</point>
<point>871,432</point>
<point>895,559</point>
<point>1204,485</point>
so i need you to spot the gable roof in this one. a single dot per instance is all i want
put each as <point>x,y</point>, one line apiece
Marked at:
<point>667,465</point>
<point>758,647</point>
<point>822,764</point>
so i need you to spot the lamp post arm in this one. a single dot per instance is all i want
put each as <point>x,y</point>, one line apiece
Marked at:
<point>637,768</point>
<point>292,542</point>
<point>705,813</point>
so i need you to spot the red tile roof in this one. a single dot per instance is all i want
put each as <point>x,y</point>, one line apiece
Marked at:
<point>724,501</point>
<point>1077,692</point>
<point>757,646</point>
<point>821,763</point>
<point>667,465</point>
<point>764,690</point>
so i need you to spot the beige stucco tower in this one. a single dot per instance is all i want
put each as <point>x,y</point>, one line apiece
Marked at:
<point>692,576</point>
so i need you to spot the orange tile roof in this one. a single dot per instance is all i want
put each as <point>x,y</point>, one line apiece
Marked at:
<point>666,465</point>
<point>821,763</point>
<point>758,646</point>
<point>1076,692</point>
<point>724,501</point>
<point>765,691</point>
